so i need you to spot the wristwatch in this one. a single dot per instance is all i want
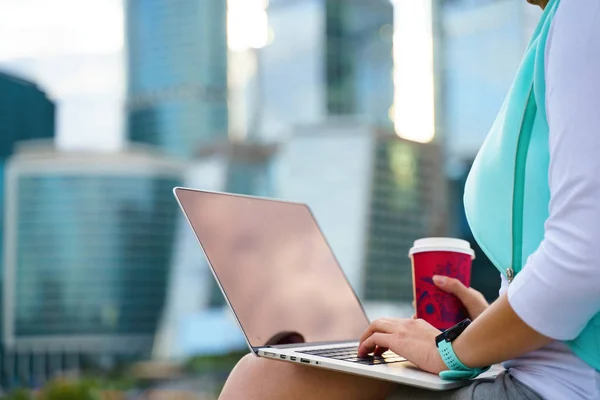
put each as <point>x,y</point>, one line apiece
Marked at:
<point>457,370</point>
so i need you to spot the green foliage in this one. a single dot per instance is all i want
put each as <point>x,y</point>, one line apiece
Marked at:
<point>213,364</point>
<point>64,390</point>
<point>113,385</point>
<point>19,395</point>
<point>84,389</point>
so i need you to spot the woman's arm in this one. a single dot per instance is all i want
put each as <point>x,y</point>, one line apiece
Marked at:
<point>558,291</point>
<point>499,334</point>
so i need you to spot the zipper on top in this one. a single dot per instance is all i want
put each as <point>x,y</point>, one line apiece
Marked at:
<point>523,140</point>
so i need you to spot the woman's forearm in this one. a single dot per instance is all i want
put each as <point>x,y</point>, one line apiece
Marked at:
<point>495,336</point>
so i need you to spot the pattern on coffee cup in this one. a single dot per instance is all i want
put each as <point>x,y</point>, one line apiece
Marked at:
<point>434,303</point>
<point>451,269</point>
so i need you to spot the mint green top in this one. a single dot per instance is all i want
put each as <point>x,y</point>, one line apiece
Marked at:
<point>507,195</point>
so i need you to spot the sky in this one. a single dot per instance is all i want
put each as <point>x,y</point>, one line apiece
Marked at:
<point>73,49</point>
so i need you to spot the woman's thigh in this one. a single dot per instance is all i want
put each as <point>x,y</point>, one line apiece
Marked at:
<point>259,378</point>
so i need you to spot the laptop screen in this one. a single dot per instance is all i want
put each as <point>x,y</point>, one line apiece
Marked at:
<point>275,267</point>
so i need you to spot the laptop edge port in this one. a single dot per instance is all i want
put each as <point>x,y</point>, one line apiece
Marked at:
<point>304,360</point>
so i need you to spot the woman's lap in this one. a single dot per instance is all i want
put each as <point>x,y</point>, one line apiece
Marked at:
<point>503,387</point>
<point>258,378</point>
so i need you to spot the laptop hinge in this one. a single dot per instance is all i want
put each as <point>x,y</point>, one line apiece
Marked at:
<point>310,344</point>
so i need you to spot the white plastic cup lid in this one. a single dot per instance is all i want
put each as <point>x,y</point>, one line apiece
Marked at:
<point>441,244</point>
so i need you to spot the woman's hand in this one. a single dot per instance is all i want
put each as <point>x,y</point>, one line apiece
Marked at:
<point>473,300</point>
<point>413,339</point>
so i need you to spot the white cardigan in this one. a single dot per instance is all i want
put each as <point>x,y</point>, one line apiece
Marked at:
<point>558,290</point>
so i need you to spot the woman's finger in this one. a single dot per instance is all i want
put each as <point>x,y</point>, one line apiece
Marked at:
<point>373,341</point>
<point>382,325</point>
<point>452,286</point>
<point>380,350</point>
<point>473,300</point>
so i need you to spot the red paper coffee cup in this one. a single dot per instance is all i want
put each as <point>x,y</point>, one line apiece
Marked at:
<point>440,256</point>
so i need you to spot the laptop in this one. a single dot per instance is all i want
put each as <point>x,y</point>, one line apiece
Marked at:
<point>285,287</point>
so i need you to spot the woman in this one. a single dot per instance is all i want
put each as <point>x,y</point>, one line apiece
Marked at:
<point>533,203</point>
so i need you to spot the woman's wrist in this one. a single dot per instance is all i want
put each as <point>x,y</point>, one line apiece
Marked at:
<point>496,336</point>
<point>462,350</point>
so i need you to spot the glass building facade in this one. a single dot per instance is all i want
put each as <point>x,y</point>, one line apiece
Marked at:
<point>359,65</point>
<point>340,65</point>
<point>177,73</point>
<point>26,113</point>
<point>482,43</point>
<point>373,194</point>
<point>407,202</point>
<point>89,250</point>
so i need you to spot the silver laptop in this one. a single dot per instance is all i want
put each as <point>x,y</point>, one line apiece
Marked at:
<point>285,287</point>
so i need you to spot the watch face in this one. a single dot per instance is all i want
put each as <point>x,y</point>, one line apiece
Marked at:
<point>456,330</point>
<point>452,333</point>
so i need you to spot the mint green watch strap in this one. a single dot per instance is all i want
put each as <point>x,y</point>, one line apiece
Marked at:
<point>459,375</point>
<point>457,370</point>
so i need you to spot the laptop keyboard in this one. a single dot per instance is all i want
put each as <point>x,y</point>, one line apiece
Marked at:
<point>350,354</point>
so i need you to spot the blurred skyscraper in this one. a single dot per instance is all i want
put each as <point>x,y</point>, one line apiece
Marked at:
<point>373,194</point>
<point>482,43</point>
<point>358,42</point>
<point>26,113</point>
<point>177,73</point>
<point>408,201</point>
<point>88,246</point>
<point>326,58</point>
<point>178,102</point>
